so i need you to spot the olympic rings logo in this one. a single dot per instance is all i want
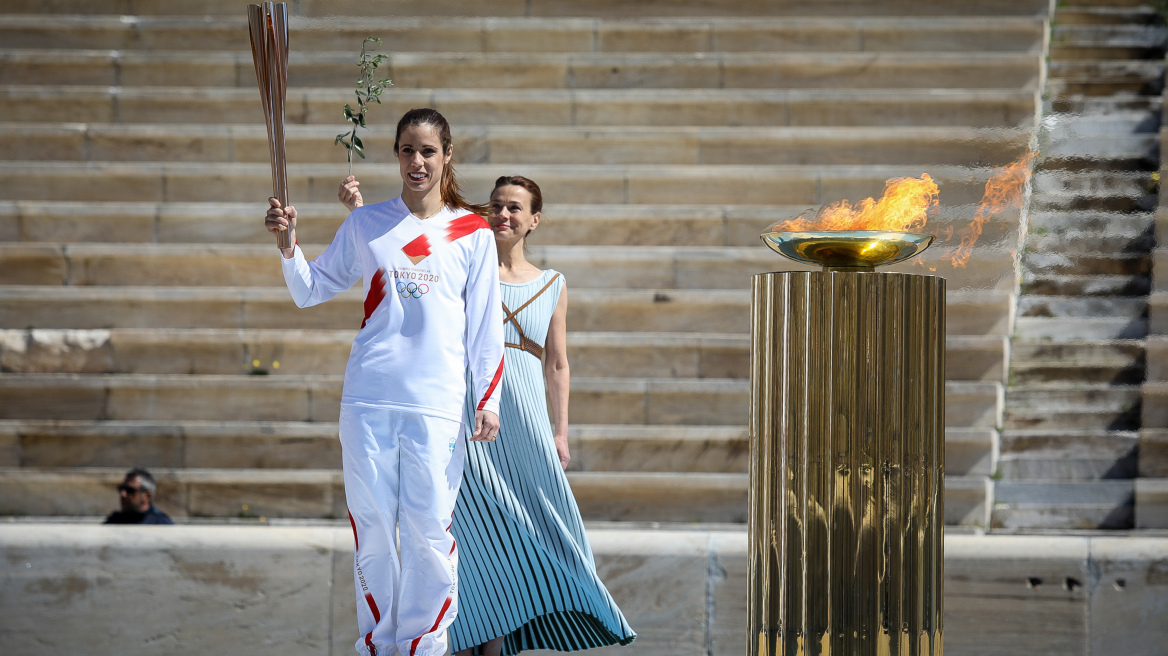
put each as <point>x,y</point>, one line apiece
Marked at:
<point>412,289</point>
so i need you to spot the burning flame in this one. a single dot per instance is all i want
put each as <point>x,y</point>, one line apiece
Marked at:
<point>1005,189</point>
<point>905,205</point>
<point>902,208</point>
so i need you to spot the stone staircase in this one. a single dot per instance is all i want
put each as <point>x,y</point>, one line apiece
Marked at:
<point>1069,452</point>
<point>143,319</point>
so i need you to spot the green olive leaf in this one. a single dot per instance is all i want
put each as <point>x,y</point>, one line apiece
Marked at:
<point>367,91</point>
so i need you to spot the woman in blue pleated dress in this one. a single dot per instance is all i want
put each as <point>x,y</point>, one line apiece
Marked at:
<point>527,579</point>
<point>526,575</point>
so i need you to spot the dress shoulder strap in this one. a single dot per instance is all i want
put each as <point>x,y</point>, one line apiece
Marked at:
<point>526,343</point>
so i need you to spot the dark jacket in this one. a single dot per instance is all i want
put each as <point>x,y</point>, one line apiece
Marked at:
<point>152,516</point>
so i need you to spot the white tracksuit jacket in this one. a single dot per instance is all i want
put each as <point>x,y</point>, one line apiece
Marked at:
<point>432,312</point>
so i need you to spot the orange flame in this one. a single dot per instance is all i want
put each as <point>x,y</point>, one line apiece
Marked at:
<point>907,201</point>
<point>903,207</point>
<point>1005,189</point>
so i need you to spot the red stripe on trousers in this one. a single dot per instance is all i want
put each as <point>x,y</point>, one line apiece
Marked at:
<point>441,614</point>
<point>376,619</point>
<point>491,388</point>
<point>368,596</point>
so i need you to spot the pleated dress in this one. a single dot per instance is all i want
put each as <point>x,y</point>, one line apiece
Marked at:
<point>525,568</point>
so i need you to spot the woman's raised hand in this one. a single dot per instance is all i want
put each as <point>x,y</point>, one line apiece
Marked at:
<point>348,193</point>
<point>278,219</point>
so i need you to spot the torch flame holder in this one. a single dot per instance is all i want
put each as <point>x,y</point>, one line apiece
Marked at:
<point>847,450</point>
<point>268,28</point>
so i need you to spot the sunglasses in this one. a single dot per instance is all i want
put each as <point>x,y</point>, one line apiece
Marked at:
<point>129,490</point>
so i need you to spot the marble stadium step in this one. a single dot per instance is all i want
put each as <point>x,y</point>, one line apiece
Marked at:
<point>536,107</point>
<point>248,493</point>
<point>1105,224</point>
<point>1099,121</point>
<point>1159,268</point>
<point>300,493</point>
<point>1158,312</point>
<point>1099,106</point>
<point>702,311</point>
<point>678,585</point>
<point>1119,138</point>
<point>596,267</point>
<point>524,146</point>
<point>1049,260</point>
<point>717,70</point>
<point>1155,408</point>
<point>1156,350</point>
<point>1063,505</point>
<point>1151,502</point>
<point>1071,183</point>
<point>1069,318</point>
<point>1106,77</point>
<point>1080,328</point>
<point>206,223</point>
<point>1041,283</point>
<point>1077,244</point>
<point>1100,14</point>
<point>1131,201</point>
<point>1068,455</point>
<point>1118,361</point>
<point>1083,307</point>
<point>299,352</point>
<point>536,34</point>
<point>1140,151</point>
<point>1102,42</point>
<point>1153,453</point>
<point>1059,406</point>
<point>301,445</point>
<point>520,8</point>
<point>655,401</point>
<point>577,184</point>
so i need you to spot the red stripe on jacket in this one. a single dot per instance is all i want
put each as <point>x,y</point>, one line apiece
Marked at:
<point>494,383</point>
<point>464,225</point>
<point>376,295</point>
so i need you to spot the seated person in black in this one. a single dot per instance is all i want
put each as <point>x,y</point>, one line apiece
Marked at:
<point>137,497</point>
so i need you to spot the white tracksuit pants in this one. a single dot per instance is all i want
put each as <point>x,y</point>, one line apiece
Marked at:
<point>402,472</point>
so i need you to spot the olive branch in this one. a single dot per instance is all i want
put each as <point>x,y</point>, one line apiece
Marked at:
<point>368,92</point>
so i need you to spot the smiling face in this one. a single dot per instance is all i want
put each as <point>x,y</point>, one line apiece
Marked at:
<point>421,159</point>
<point>511,216</point>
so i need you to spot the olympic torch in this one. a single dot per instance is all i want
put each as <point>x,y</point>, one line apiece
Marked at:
<point>268,23</point>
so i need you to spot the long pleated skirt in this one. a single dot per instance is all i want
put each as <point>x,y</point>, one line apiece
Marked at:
<point>526,570</point>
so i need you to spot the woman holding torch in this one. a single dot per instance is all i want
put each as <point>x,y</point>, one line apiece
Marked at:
<point>432,312</point>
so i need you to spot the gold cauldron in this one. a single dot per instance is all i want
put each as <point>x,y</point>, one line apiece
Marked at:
<point>847,250</point>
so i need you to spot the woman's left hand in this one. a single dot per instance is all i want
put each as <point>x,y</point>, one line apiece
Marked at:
<point>348,193</point>
<point>562,451</point>
<point>486,426</point>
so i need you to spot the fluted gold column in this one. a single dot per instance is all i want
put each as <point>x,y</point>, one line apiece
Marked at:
<point>847,464</point>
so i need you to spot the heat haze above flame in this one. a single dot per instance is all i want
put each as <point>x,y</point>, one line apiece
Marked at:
<point>905,205</point>
<point>1006,188</point>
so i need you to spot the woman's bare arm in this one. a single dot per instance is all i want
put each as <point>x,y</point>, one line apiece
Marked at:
<point>555,370</point>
